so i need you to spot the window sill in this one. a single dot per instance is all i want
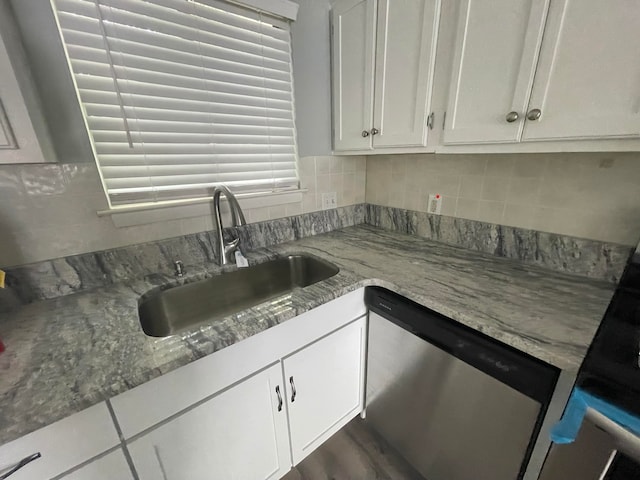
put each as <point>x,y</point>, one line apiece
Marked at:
<point>129,216</point>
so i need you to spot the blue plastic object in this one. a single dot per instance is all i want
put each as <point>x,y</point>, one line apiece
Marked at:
<point>566,430</point>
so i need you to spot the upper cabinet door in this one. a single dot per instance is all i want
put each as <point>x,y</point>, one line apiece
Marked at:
<point>495,55</point>
<point>353,61</point>
<point>588,79</point>
<point>405,58</point>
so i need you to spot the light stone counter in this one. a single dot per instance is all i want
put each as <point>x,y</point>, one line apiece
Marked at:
<point>68,353</point>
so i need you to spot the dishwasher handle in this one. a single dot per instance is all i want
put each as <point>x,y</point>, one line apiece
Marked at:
<point>625,441</point>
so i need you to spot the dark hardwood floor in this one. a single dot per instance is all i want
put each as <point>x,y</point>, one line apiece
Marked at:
<point>354,453</point>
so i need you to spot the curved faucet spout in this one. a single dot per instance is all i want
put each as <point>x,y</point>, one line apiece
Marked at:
<point>226,249</point>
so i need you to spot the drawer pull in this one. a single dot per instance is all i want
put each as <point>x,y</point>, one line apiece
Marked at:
<point>293,390</point>
<point>20,464</point>
<point>279,398</point>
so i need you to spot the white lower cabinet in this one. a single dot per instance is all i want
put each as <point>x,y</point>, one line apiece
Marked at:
<point>247,412</point>
<point>110,467</point>
<point>240,434</point>
<point>324,387</point>
<point>63,445</point>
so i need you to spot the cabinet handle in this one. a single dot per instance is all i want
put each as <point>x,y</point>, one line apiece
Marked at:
<point>279,398</point>
<point>534,114</point>
<point>430,119</point>
<point>374,131</point>
<point>365,133</point>
<point>512,117</point>
<point>293,390</point>
<point>20,464</point>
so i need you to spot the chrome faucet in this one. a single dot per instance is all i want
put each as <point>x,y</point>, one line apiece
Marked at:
<point>226,249</point>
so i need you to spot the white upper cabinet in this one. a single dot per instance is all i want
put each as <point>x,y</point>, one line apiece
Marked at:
<point>62,446</point>
<point>588,80</point>
<point>495,54</point>
<point>353,53</point>
<point>325,387</point>
<point>383,61</point>
<point>543,75</point>
<point>405,55</point>
<point>251,429</point>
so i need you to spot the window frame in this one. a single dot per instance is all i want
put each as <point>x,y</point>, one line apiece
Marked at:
<point>151,212</point>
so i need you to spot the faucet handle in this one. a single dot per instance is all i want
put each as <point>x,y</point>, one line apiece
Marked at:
<point>233,243</point>
<point>179,268</point>
<point>230,247</point>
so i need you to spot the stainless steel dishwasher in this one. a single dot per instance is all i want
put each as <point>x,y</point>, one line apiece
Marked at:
<point>456,404</point>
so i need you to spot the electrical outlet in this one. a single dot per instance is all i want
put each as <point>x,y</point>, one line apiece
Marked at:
<point>329,200</point>
<point>435,204</point>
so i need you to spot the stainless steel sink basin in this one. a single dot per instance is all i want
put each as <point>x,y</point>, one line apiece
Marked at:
<point>179,308</point>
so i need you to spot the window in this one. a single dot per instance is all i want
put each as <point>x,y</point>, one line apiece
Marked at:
<point>181,95</point>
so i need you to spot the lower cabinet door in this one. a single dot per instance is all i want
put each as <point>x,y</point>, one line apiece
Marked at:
<point>324,384</point>
<point>110,467</point>
<point>240,434</point>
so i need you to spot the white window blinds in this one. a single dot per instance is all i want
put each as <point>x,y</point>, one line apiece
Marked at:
<point>180,95</point>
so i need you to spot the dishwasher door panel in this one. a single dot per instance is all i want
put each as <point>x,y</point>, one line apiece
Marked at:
<point>448,419</point>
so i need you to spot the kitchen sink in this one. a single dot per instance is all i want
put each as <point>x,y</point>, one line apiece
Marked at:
<point>179,308</point>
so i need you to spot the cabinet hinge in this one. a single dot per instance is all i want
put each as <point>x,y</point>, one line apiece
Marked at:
<point>430,120</point>
<point>444,118</point>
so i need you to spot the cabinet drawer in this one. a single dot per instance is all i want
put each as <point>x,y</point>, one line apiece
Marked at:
<point>63,445</point>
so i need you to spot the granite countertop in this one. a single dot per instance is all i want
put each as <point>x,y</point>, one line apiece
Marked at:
<point>66,354</point>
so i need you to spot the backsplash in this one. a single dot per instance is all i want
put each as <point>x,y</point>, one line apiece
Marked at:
<point>586,195</point>
<point>49,211</point>
<point>63,276</point>
<point>588,258</point>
